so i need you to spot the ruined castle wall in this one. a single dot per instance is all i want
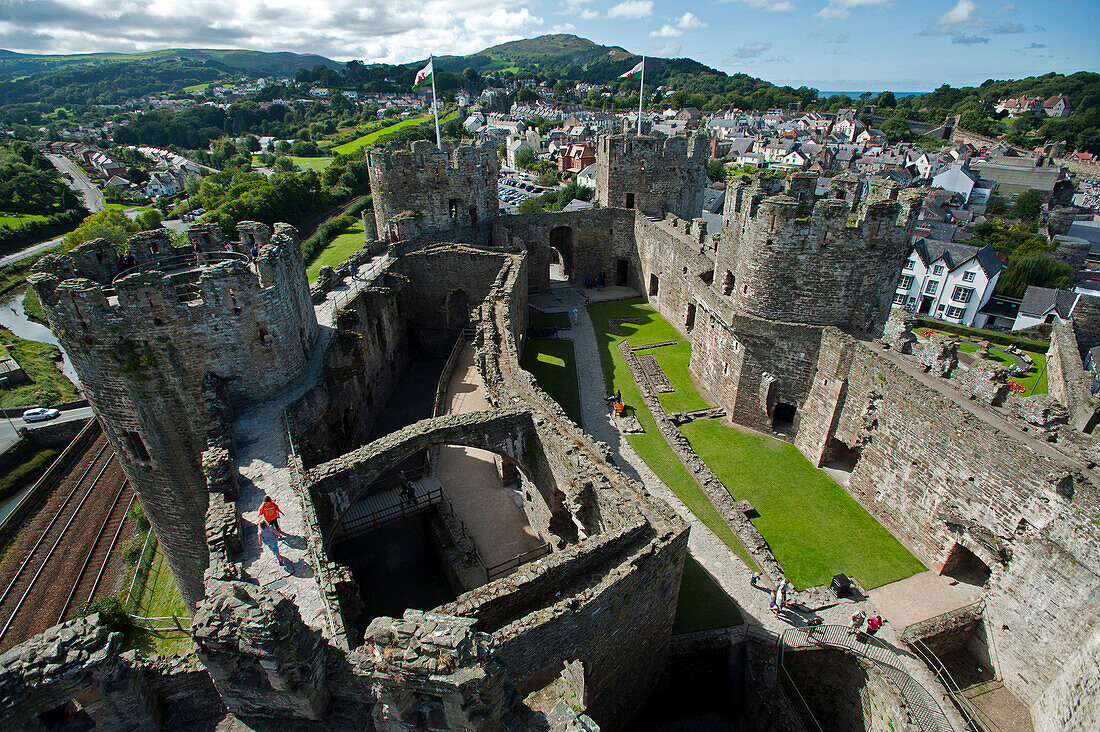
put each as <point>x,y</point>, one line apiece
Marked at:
<point>653,174</point>
<point>935,474</point>
<point>364,362</point>
<point>747,365</point>
<point>1067,380</point>
<point>423,190</point>
<point>590,241</point>
<point>444,284</point>
<point>143,348</point>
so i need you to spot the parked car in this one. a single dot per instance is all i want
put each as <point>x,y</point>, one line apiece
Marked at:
<point>40,414</point>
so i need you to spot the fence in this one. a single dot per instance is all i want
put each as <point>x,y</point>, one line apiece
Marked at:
<point>923,708</point>
<point>507,567</point>
<point>141,576</point>
<point>974,721</point>
<point>356,281</point>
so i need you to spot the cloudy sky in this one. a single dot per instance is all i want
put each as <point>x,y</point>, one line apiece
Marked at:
<point>904,45</point>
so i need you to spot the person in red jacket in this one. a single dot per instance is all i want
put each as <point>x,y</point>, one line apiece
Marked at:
<point>270,513</point>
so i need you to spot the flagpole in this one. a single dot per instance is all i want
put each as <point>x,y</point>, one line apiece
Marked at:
<point>641,97</point>
<point>435,105</point>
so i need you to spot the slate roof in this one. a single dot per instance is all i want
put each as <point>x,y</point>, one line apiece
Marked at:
<point>957,255</point>
<point>1038,301</point>
<point>1001,307</point>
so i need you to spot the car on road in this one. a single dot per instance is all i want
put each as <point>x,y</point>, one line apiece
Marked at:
<point>40,414</point>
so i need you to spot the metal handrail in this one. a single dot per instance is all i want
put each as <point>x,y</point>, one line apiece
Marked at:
<point>924,708</point>
<point>802,712</point>
<point>182,261</point>
<point>973,718</point>
<point>400,510</point>
<point>510,565</point>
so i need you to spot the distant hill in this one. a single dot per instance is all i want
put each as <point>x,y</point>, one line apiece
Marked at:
<point>14,65</point>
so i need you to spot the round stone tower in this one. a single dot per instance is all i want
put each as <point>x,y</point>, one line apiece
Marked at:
<point>145,329</point>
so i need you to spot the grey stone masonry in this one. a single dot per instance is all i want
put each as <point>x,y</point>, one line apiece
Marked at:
<point>423,190</point>
<point>653,174</point>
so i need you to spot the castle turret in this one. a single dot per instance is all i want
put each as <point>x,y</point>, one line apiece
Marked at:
<point>653,174</point>
<point>143,332</point>
<point>424,190</point>
<point>831,261</point>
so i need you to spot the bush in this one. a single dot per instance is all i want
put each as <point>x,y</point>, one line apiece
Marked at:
<point>137,516</point>
<point>112,614</point>
<point>13,239</point>
<point>1003,339</point>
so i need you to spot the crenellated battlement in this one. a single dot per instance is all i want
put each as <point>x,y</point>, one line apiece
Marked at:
<point>652,173</point>
<point>421,189</point>
<point>794,257</point>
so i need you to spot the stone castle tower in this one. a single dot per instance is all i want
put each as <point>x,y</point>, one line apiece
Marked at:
<point>831,261</point>
<point>653,174</point>
<point>425,190</point>
<point>146,335</point>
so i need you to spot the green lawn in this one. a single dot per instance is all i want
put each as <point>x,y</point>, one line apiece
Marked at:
<point>16,220</point>
<point>159,598</point>
<point>339,249</point>
<point>815,529</point>
<point>318,164</point>
<point>650,446</point>
<point>554,366</point>
<point>371,137</point>
<point>702,604</point>
<point>196,87</point>
<point>47,386</point>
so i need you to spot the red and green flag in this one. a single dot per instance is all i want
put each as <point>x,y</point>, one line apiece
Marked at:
<point>424,76</point>
<point>634,71</point>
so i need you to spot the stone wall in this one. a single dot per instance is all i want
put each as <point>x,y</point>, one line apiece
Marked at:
<point>143,340</point>
<point>652,174</point>
<point>421,189</point>
<point>831,262</point>
<point>1067,380</point>
<point>937,475</point>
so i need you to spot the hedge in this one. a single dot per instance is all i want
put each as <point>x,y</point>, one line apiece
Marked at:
<point>329,230</point>
<point>993,337</point>
<point>32,232</point>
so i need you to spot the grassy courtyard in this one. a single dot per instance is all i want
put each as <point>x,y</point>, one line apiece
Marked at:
<point>339,249</point>
<point>650,446</point>
<point>554,366</point>
<point>815,529</point>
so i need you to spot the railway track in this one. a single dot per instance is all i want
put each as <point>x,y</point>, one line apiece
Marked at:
<point>62,559</point>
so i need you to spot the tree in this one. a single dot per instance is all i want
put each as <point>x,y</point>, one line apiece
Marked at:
<point>886,99</point>
<point>284,165</point>
<point>112,225</point>
<point>716,169</point>
<point>1033,269</point>
<point>149,220</point>
<point>526,158</point>
<point>1029,205</point>
<point>526,95</point>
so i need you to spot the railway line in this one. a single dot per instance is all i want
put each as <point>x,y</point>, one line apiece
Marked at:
<point>62,559</point>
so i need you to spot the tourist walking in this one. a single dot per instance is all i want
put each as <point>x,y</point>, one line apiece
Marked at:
<point>856,623</point>
<point>781,595</point>
<point>773,605</point>
<point>755,579</point>
<point>270,538</point>
<point>408,492</point>
<point>873,624</point>
<point>575,315</point>
<point>270,512</point>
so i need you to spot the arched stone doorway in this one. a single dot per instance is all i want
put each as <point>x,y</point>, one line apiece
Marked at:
<point>561,241</point>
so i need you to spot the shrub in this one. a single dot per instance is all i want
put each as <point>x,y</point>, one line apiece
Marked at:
<point>112,614</point>
<point>1003,339</point>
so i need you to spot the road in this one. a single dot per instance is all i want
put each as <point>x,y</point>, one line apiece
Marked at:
<point>29,251</point>
<point>75,179</point>
<point>8,435</point>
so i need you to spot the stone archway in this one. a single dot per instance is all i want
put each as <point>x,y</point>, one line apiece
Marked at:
<point>561,240</point>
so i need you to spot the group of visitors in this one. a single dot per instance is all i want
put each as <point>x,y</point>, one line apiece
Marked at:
<point>599,282</point>
<point>777,602</point>
<point>270,533</point>
<point>855,627</point>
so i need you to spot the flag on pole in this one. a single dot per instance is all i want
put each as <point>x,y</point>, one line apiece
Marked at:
<point>634,71</point>
<point>424,76</point>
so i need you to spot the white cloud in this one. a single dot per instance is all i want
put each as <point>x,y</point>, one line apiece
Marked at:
<point>670,49</point>
<point>689,21</point>
<point>573,6</point>
<point>563,28</point>
<point>841,9</point>
<point>631,9</point>
<point>774,6</point>
<point>341,29</point>
<point>666,31</point>
<point>589,15</point>
<point>752,50</point>
<point>964,13</point>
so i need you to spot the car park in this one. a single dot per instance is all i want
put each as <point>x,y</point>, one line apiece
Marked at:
<point>40,414</point>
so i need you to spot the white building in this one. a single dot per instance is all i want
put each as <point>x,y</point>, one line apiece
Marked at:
<point>948,281</point>
<point>959,179</point>
<point>1045,305</point>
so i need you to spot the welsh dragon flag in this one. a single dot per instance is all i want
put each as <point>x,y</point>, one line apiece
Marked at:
<point>634,71</point>
<point>424,76</point>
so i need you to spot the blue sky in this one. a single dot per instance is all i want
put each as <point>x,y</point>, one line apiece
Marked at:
<point>903,45</point>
